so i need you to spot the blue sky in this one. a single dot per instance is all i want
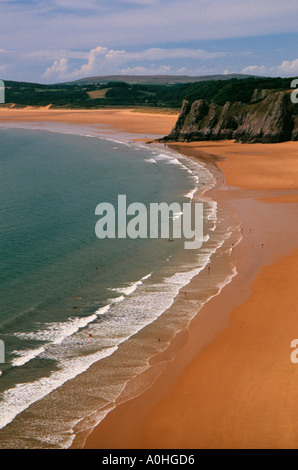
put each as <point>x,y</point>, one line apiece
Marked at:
<point>51,41</point>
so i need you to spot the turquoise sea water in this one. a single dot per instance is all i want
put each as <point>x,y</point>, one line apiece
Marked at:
<point>70,300</point>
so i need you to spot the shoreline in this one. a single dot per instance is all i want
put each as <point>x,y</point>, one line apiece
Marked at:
<point>163,420</point>
<point>151,335</point>
<point>190,292</point>
<point>160,417</point>
<point>126,120</point>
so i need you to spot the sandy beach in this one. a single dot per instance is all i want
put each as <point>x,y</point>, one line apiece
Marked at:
<point>124,120</point>
<point>228,380</point>
<point>232,385</point>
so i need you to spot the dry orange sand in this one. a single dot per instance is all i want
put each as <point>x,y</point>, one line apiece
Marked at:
<point>233,384</point>
<point>126,120</point>
<point>241,391</point>
<point>253,166</point>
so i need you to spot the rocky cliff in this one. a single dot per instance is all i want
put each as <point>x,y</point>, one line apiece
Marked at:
<point>270,117</point>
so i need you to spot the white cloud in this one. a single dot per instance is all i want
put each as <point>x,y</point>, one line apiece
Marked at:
<point>47,55</point>
<point>72,4</point>
<point>93,4</point>
<point>161,70</point>
<point>288,67</point>
<point>143,33</point>
<point>285,69</point>
<point>104,61</point>
<point>178,53</point>
<point>74,24</point>
<point>255,70</point>
<point>59,69</point>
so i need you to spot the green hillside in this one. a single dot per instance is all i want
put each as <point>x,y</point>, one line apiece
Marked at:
<point>116,93</point>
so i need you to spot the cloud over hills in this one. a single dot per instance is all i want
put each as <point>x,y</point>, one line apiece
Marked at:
<point>54,39</point>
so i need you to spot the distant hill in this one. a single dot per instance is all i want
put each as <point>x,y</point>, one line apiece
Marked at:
<point>156,79</point>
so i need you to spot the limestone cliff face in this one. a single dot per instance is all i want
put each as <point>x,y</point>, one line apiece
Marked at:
<point>268,118</point>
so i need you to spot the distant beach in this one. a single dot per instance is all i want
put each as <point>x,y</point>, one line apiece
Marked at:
<point>126,120</point>
<point>225,381</point>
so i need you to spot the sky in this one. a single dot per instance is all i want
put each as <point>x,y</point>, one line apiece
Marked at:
<point>50,41</point>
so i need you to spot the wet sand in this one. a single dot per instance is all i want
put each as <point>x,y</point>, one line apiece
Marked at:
<point>227,381</point>
<point>230,382</point>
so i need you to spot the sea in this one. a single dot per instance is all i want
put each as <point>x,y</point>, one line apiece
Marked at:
<point>82,317</point>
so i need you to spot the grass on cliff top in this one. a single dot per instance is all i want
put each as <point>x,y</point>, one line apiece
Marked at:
<point>92,96</point>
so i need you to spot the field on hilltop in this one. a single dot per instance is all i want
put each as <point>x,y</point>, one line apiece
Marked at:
<point>82,95</point>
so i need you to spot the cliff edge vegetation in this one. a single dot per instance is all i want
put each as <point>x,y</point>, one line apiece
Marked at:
<point>269,117</point>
